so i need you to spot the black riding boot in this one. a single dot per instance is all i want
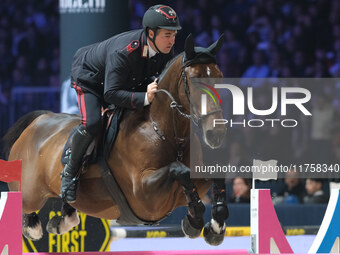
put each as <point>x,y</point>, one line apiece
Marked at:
<point>80,141</point>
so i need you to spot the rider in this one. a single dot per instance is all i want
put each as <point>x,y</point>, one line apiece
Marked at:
<point>117,71</point>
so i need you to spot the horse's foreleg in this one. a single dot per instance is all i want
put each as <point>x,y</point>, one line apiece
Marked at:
<point>193,223</point>
<point>214,230</point>
<point>31,226</point>
<point>61,224</point>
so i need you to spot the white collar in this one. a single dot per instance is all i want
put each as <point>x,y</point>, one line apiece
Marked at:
<point>151,51</point>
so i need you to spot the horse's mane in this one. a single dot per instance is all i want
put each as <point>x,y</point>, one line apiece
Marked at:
<point>168,65</point>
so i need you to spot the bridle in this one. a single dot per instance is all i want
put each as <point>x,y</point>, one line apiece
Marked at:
<point>196,117</point>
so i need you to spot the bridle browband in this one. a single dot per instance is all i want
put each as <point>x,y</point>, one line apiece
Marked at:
<point>196,118</point>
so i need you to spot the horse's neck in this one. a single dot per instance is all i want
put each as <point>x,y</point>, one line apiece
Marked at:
<point>160,109</point>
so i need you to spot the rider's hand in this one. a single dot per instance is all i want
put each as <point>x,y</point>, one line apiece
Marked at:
<point>152,88</point>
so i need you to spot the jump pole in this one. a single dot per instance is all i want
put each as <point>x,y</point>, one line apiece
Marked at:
<point>266,232</point>
<point>10,210</point>
<point>10,223</point>
<point>184,252</point>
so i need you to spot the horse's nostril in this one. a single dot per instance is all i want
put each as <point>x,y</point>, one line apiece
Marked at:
<point>209,134</point>
<point>214,138</point>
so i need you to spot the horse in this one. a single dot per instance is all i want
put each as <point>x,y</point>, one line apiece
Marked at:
<point>150,158</point>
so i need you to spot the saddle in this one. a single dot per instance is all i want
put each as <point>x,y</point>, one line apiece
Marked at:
<point>103,144</point>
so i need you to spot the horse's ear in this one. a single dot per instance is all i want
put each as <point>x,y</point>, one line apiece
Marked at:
<point>189,47</point>
<point>216,46</point>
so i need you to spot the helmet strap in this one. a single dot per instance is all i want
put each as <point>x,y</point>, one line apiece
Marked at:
<point>153,40</point>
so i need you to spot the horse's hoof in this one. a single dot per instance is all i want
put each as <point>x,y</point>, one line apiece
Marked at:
<point>211,237</point>
<point>189,230</point>
<point>31,227</point>
<point>32,234</point>
<point>53,225</point>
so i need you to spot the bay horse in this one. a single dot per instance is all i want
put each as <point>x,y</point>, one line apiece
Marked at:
<point>148,160</point>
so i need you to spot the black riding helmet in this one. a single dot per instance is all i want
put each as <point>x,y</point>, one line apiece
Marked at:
<point>160,16</point>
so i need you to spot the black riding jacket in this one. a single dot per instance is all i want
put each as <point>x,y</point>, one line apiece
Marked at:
<point>118,69</point>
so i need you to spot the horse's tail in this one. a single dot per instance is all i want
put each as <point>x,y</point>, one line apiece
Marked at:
<point>15,131</point>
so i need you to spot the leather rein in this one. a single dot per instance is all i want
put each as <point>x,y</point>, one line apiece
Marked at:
<point>196,117</point>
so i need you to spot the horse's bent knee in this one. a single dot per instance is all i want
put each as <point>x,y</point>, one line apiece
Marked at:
<point>181,173</point>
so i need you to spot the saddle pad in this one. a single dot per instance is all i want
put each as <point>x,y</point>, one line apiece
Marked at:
<point>105,146</point>
<point>112,132</point>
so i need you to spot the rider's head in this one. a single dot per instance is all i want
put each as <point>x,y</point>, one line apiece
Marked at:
<point>161,23</point>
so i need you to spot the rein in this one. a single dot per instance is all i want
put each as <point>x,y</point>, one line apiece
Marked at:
<point>195,118</point>
<point>180,142</point>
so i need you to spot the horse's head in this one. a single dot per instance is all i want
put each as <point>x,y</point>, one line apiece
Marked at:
<point>200,62</point>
